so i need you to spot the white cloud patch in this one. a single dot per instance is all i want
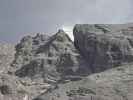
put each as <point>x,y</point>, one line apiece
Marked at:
<point>68,30</point>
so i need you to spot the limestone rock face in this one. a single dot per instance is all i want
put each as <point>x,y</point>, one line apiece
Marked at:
<point>48,59</point>
<point>102,47</point>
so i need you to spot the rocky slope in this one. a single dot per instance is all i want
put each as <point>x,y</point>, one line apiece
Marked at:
<point>114,84</point>
<point>97,66</point>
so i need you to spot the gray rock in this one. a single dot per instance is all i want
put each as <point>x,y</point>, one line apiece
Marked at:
<point>102,47</point>
<point>51,68</point>
<point>113,84</point>
<point>49,58</point>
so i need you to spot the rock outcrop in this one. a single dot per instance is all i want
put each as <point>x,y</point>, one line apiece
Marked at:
<point>102,47</point>
<point>47,59</point>
<point>54,68</point>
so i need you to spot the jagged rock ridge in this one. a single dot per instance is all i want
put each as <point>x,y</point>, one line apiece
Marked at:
<point>47,58</point>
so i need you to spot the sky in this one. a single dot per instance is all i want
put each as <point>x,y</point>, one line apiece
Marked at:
<point>22,17</point>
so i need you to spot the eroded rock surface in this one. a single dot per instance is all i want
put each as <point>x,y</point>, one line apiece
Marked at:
<point>102,47</point>
<point>47,59</point>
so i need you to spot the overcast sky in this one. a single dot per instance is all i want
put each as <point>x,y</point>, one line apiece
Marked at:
<point>18,17</point>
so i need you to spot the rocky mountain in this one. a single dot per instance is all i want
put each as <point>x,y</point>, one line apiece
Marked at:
<point>51,59</point>
<point>96,66</point>
<point>41,62</point>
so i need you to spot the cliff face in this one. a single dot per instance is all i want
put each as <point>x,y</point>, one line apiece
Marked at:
<point>97,66</point>
<point>102,47</point>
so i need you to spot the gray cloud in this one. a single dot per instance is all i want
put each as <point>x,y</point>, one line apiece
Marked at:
<point>18,17</point>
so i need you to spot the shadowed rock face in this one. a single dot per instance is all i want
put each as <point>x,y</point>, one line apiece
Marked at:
<point>102,47</point>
